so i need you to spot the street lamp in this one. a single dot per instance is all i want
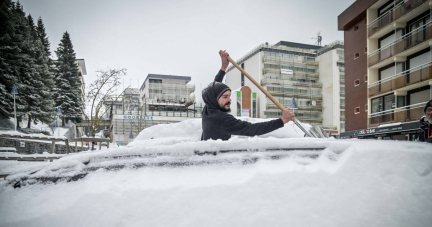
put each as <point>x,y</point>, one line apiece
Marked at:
<point>58,117</point>
<point>14,92</point>
<point>131,136</point>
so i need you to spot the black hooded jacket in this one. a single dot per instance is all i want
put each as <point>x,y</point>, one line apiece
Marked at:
<point>218,124</point>
<point>426,130</point>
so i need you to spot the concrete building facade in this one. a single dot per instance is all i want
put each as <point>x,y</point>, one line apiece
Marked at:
<point>332,76</point>
<point>286,70</point>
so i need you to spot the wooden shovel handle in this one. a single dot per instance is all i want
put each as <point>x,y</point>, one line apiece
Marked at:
<point>258,85</point>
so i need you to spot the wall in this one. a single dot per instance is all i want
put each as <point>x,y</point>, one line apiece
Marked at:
<point>355,96</point>
<point>36,147</point>
<point>329,77</point>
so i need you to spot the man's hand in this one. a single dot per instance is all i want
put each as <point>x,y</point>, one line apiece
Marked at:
<point>287,115</point>
<point>224,57</point>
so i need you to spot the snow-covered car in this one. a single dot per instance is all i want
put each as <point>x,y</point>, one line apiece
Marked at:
<point>168,177</point>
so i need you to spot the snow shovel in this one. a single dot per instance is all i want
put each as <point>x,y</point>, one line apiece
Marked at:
<point>320,133</point>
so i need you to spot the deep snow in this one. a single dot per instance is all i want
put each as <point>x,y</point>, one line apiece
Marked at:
<point>352,183</point>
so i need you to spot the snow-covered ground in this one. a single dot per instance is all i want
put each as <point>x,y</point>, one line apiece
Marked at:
<point>351,183</point>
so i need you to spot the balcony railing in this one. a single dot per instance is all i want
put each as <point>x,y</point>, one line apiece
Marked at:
<point>298,74</point>
<point>301,107</point>
<point>397,12</point>
<point>290,83</point>
<point>400,80</point>
<point>165,86</point>
<point>381,22</point>
<point>404,8</point>
<point>403,43</point>
<point>402,114</point>
<point>295,94</point>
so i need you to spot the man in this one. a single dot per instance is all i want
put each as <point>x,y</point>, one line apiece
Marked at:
<point>426,124</point>
<point>217,123</point>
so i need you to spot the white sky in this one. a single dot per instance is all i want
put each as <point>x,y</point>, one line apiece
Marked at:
<point>180,37</point>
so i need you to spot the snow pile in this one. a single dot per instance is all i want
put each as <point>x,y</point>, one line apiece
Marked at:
<point>12,166</point>
<point>191,130</point>
<point>352,183</point>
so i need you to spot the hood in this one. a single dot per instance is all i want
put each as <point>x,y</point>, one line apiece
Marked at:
<point>211,93</point>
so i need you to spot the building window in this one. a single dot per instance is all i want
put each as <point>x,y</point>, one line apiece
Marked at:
<point>356,83</point>
<point>357,110</point>
<point>365,78</point>
<point>356,28</point>
<point>365,50</point>
<point>366,108</point>
<point>356,55</point>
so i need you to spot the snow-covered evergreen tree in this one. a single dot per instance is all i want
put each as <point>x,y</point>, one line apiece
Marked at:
<point>44,107</point>
<point>8,51</point>
<point>43,37</point>
<point>17,65</point>
<point>67,92</point>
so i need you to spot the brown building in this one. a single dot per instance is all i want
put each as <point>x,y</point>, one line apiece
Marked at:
<point>353,22</point>
<point>388,64</point>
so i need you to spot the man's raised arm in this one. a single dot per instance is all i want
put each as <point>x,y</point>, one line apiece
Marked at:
<point>224,58</point>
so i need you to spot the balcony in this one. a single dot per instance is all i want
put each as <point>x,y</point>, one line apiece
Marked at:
<point>304,117</point>
<point>402,114</point>
<point>403,79</point>
<point>289,83</point>
<point>394,15</point>
<point>166,86</point>
<point>272,106</point>
<point>287,61</point>
<point>415,38</point>
<point>280,92</point>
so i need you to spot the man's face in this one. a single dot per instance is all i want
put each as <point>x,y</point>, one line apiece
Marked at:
<point>429,114</point>
<point>225,100</point>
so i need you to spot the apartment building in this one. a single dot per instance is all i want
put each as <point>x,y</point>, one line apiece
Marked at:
<point>124,112</point>
<point>332,76</point>
<point>398,37</point>
<point>286,70</point>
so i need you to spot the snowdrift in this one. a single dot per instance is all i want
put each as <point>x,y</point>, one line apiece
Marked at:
<point>350,183</point>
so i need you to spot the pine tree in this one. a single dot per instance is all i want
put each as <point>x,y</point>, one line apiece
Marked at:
<point>67,93</point>
<point>17,65</point>
<point>8,51</point>
<point>43,36</point>
<point>28,69</point>
<point>44,107</point>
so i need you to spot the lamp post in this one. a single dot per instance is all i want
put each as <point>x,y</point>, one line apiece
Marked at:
<point>14,92</point>
<point>131,136</point>
<point>58,117</point>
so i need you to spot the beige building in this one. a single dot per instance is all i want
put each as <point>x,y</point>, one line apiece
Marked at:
<point>286,70</point>
<point>332,76</point>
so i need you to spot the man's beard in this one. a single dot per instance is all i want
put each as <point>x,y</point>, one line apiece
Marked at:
<point>224,109</point>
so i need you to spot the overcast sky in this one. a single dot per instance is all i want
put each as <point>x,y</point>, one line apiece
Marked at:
<point>177,37</point>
